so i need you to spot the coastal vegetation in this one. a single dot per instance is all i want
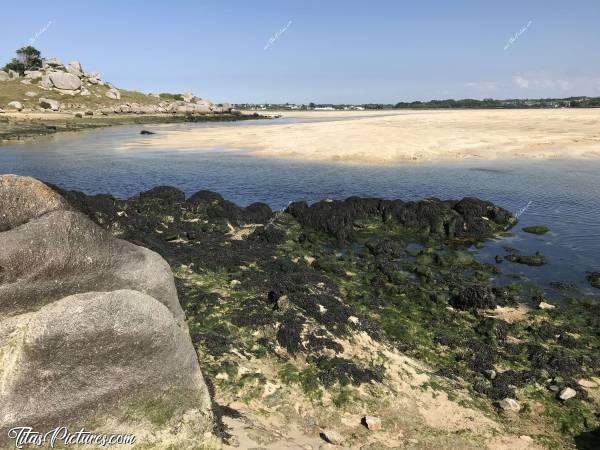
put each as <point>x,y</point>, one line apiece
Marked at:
<point>488,103</point>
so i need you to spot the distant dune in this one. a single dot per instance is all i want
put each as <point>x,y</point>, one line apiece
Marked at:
<point>395,136</point>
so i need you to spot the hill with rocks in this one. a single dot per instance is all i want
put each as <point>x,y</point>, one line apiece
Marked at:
<point>56,86</point>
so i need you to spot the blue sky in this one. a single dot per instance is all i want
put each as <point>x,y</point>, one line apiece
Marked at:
<point>322,51</point>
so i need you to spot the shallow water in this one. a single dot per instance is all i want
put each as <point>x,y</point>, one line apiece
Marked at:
<point>563,195</point>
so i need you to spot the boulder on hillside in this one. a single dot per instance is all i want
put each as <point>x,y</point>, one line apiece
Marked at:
<point>113,94</point>
<point>46,83</point>
<point>13,75</point>
<point>74,68</point>
<point>18,106</point>
<point>91,330</point>
<point>65,81</point>
<point>33,74</point>
<point>48,63</point>
<point>4,76</point>
<point>47,103</point>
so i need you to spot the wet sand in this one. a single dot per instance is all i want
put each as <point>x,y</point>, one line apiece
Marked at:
<point>381,137</point>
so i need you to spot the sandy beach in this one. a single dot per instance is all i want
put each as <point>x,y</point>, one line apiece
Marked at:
<point>394,136</point>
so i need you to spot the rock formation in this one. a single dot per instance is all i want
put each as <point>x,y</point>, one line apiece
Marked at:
<point>91,330</point>
<point>72,80</point>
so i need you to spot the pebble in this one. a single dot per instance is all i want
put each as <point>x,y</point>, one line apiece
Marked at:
<point>372,423</point>
<point>544,305</point>
<point>567,393</point>
<point>332,437</point>
<point>509,404</point>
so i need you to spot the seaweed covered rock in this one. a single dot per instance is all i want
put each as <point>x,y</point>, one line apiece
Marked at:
<point>469,218</point>
<point>478,297</point>
<point>90,326</point>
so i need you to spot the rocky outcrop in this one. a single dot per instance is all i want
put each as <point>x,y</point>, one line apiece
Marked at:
<point>89,325</point>
<point>72,80</point>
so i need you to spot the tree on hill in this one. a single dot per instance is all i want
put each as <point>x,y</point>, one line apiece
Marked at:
<point>28,58</point>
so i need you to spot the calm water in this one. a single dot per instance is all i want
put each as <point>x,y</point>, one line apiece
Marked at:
<point>564,195</point>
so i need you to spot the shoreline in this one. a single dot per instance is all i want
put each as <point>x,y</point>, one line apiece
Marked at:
<point>405,137</point>
<point>27,127</point>
<point>461,342</point>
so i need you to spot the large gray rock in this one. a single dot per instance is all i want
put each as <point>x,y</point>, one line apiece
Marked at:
<point>23,198</point>
<point>91,331</point>
<point>65,81</point>
<point>13,75</point>
<point>4,76</point>
<point>119,348</point>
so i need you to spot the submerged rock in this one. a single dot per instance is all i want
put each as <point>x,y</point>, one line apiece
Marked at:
<point>90,326</point>
<point>536,229</point>
<point>594,279</point>
<point>531,260</point>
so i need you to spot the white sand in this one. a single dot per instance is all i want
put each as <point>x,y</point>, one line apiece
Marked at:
<point>393,136</point>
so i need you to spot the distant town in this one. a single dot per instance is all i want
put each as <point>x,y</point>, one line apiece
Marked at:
<point>570,102</point>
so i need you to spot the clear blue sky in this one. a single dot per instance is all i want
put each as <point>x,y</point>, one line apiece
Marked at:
<point>332,51</point>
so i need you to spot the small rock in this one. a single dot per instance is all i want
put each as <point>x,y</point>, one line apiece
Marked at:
<point>283,303</point>
<point>235,283</point>
<point>146,132</point>
<point>372,423</point>
<point>332,436</point>
<point>567,393</point>
<point>47,103</point>
<point>31,94</point>
<point>587,383</point>
<point>544,305</point>
<point>490,374</point>
<point>509,404</point>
